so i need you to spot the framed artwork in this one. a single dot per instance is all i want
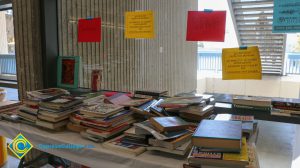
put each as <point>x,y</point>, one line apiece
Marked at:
<point>68,71</point>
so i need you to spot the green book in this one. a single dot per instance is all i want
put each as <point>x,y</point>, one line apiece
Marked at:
<point>218,134</point>
<point>68,71</point>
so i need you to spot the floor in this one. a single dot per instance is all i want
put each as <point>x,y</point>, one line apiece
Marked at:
<point>277,145</point>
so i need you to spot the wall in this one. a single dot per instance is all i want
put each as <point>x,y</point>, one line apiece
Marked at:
<point>28,45</point>
<point>271,86</point>
<point>167,62</point>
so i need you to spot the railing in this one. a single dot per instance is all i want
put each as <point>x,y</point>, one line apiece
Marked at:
<point>292,63</point>
<point>209,61</point>
<point>8,64</point>
<point>212,61</point>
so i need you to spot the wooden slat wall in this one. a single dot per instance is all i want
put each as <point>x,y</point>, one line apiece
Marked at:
<point>28,45</point>
<point>130,64</point>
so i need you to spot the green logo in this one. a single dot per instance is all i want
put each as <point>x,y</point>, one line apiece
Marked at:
<point>20,146</point>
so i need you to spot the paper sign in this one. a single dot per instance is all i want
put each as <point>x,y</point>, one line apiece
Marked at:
<point>139,24</point>
<point>286,16</point>
<point>241,63</point>
<point>206,26</point>
<point>89,30</point>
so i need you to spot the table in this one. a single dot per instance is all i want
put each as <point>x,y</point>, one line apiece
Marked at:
<point>92,157</point>
<point>226,100</point>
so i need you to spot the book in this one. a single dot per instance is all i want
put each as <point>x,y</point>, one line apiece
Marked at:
<point>52,119</point>
<point>155,93</point>
<point>224,159</point>
<point>197,113</point>
<point>178,102</point>
<point>144,109</point>
<point>181,150</point>
<point>163,124</point>
<point>252,101</point>
<point>75,127</point>
<point>61,103</point>
<point>46,94</point>
<point>50,125</point>
<point>171,143</point>
<point>118,144</point>
<point>132,132</point>
<point>218,134</point>
<point>106,122</point>
<point>140,141</point>
<point>107,134</point>
<point>92,137</point>
<point>100,109</point>
<point>158,111</point>
<point>146,128</point>
<point>29,109</point>
<point>27,115</point>
<point>227,117</point>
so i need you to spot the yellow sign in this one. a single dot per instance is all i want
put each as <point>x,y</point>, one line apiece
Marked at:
<point>20,146</point>
<point>139,24</point>
<point>241,63</point>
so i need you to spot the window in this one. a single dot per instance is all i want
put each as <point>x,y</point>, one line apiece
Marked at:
<point>7,46</point>
<point>209,53</point>
<point>250,22</point>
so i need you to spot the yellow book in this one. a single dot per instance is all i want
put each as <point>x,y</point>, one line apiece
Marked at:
<point>243,156</point>
<point>3,151</point>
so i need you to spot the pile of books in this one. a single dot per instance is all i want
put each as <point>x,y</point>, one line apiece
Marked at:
<point>155,94</point>
<point>252,102</point>
<point>8,110</point>
<point>99,121</point>
<point>54,114</point>
<point>28,112</point>
<point>167,134</point>
<point>129,142</point>
<point>163,134</point>
<point>219,143</point>
<point>192,109</point>
<point>288,107</point>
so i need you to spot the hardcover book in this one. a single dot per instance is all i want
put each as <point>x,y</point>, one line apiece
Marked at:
<point>163,124</point>
<point>218,134</point>
<point>240,160</point>
<point>118,144</point>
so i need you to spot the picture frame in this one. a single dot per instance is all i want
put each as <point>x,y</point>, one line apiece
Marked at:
<point>68,71</point>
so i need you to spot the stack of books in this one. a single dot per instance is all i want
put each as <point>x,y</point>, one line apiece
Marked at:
<point>196,113</point>
<point>252,102</point>
<point>167,134</point>
<point>289,108</point>
<point>8,110</point>
<point>155,94</point>
<point>129,142</point>
<point>100,121</point>
<point>28,112</point>
<point>54,114</point>
<point>219,143</point>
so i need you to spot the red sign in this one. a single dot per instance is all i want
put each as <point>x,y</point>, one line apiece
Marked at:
<point>206,26</point>
<point>89,30</point>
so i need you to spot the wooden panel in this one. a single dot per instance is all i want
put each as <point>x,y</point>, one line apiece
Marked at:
<point>28,45</point>
<point>166,62</point>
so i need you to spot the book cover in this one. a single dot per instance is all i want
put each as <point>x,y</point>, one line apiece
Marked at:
<point>218,134</point>
<point>163,124</point>
<point>118,144</point>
